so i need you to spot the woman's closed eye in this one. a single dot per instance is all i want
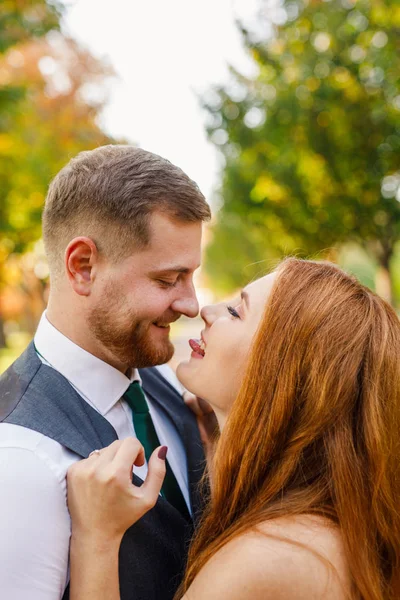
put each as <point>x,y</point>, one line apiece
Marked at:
<point>232,311</point>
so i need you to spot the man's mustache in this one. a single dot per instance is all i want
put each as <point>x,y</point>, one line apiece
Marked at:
<point>168,319</point>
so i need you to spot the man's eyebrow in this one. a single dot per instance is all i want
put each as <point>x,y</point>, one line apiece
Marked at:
<point>244,295</point>
<point>174,269</point>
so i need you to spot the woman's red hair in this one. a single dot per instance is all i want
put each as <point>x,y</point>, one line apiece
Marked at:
<point>315,428</point>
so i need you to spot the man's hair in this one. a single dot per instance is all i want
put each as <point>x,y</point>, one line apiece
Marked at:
<point>108,194</point>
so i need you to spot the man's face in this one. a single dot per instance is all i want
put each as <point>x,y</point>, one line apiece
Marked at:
<point>135,299</point>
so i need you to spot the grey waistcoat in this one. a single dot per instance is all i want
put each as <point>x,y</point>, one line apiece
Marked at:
<point>153,551</point>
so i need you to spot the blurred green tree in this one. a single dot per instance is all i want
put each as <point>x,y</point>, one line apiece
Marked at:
<point>53,93</point>
<point>310,142</point>
<point>66,89</point>
<point>19,21</point>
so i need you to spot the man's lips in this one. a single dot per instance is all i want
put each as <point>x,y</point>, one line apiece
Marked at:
<point>165,324</point>
<point>163,328</point>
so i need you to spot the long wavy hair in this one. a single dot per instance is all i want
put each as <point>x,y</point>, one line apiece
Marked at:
<point>315,428</point>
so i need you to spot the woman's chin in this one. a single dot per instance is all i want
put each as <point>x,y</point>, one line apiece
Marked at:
<point>186,375</point>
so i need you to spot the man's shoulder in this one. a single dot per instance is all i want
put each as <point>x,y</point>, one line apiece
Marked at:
<point>21,445</point>
<point>16,379</point>
<point>18,437</point>
<point>26,363</point>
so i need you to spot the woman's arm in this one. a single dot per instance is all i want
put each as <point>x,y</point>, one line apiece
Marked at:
<point>103,504</point>
<point>94,568</point>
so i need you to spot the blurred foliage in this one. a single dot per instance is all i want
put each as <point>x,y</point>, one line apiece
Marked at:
<point>51,94</point>
<point>20,20</point>
<point>56,119</point>
<point>310,141</point>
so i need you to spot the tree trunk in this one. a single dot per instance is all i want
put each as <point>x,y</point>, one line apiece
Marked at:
<point>383,279</point>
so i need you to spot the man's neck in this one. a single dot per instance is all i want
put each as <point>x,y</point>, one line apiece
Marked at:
<point>73,325</point>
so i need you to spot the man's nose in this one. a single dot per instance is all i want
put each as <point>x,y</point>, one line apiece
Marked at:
<point>187,304</point>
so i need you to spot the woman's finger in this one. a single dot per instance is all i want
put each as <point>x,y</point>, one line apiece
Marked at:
<point>155,477</point>
<point>197,405</point>
<point>105,454</point>
<point>192,403</point>
<point>205,406</point>
<point>129,453</point>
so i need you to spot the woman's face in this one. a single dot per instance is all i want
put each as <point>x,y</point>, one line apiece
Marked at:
<point>226,342</point>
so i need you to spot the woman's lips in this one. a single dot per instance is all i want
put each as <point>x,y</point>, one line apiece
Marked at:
<point>196,347</point>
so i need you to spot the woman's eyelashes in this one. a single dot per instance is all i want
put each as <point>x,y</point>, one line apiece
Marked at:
<point>232,311</point>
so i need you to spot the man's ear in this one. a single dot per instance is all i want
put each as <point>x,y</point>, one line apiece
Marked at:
<point>81,260</point>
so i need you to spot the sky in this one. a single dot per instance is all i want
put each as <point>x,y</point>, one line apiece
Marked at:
<point>165,54</point>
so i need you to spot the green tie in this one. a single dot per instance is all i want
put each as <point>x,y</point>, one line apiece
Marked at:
<point>147,436</point>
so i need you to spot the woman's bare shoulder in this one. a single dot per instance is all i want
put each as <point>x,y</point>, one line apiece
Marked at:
<point>298,557</point>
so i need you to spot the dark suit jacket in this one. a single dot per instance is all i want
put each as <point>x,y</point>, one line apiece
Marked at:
<point>153,551</point>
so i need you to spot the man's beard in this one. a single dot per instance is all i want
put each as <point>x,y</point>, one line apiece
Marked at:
<point>128,338</point>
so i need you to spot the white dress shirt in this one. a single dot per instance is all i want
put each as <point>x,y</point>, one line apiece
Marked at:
<point>35,525</point>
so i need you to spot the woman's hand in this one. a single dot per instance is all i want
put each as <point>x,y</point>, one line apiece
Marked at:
<point>102,500</point>
<point>206,421</point>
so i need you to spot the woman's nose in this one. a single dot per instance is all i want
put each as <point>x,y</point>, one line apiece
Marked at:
<point>212,312</point>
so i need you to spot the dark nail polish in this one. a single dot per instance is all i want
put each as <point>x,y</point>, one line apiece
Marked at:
<point>162,453</point>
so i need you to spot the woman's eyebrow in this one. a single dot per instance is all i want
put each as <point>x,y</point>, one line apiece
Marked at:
<point>244,295</point>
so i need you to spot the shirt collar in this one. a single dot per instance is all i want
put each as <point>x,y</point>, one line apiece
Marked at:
<point>98,382</point>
